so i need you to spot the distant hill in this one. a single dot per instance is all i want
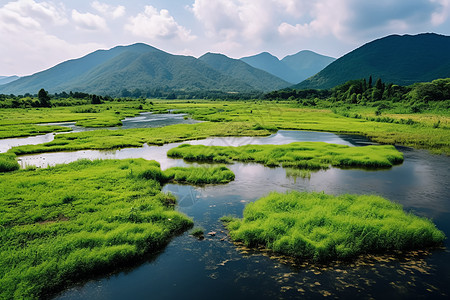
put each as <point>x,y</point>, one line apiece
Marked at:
<point>293,68</point>
<point>7,79</point>
<point>239,70</point>
<point>402,60</point>
<point>145,68</point>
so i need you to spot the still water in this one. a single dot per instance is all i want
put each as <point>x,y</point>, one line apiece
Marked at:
<point>215,268</point>
<point>143,120</point>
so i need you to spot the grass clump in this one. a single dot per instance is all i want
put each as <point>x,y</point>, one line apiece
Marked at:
<point>301,155</point>
<point>8,162</point>
<point>205,175</point>
<point>198,233</point>
<point>69,222</point>
<point>324,227</point>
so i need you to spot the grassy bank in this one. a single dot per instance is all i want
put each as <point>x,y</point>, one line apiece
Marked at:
<point>303,155</point>
<point>70,222</point>
<point>324,227</point>
<point>112,139</point>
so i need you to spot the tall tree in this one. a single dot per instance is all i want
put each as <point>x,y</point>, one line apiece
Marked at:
<point>44,98</point>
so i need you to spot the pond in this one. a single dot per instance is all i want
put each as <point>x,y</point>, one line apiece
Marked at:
<point>188,268</point>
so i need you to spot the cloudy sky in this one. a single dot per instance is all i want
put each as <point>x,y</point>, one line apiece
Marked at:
<point>38,34</point>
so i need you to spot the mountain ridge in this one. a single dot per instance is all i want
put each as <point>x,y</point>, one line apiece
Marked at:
<point>143,67</point>
<point>399,59</point>
<point>293,68</point>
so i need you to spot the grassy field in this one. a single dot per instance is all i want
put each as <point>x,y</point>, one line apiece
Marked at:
<point>18,122</point>
<point>422,130</point>
<point>302,155</point>
<point>323,227</point>
<point>111,139</point>
<point>70,222</point>
<point>427,131</point>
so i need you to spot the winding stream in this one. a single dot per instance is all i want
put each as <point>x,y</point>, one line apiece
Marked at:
<point>215,268</point>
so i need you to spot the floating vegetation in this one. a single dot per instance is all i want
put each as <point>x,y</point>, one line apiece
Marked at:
<point>301,155</point>
<point>322,227</point>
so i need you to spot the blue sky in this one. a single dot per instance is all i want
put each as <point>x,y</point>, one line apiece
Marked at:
<point>38,34</point>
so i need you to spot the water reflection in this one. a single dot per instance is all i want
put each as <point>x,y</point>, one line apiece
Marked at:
<point>215,267</point>
<point>143,120</point>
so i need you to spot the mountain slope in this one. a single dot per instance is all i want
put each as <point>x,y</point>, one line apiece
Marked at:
<point>155,70</point>
<point>7,79</point>
<point>271,64</point>
<point>402,60</point>
<point>239,70</point>
<point>306,63</point>
<point>62,74</point>
<point>293,68</point>
<point>145,68</point>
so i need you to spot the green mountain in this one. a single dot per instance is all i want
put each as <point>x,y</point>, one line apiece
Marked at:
<point>145,68</point>
<point>402,60</point>
<point>239,70</point>
<point>7,79</point>
<point>293,68</point>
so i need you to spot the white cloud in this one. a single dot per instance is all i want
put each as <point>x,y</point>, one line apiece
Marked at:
<point>30,14</point>
<point>442,15</point>
<point>27,44</point>
<point>109,10</point>
<point>157,25</point>
<point>88,21</point>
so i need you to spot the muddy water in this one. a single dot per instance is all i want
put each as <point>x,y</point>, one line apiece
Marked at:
<point>216,268</point>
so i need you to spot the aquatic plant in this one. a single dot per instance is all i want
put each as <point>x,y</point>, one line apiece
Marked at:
<point>204,175</point>
<point>198,232</point>
<point>70,222</point>
<point>323,227</point>
<point>301,155</point>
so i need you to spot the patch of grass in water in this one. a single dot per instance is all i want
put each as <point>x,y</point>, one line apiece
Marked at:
<point>70,222</point>
<point>301,155</point>
<point>324,227</point>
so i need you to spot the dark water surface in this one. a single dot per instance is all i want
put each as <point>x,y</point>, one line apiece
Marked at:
<point>215,268</point>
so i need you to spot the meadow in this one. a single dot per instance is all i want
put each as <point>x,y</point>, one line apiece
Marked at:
<point>427,130</point>
<point>323,227</point>
<point>19,122</point>
<point>302,155</point>
<point>66,223</point>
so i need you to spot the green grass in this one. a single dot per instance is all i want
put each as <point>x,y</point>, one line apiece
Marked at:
<point>8,162</point>
<point>71,222</point>
<point>19,122</point>
<point>287,115</point>
<point>323,227</point>
<point>302,155</point>
<point>111,139</point>
<point>198,232</point>
<point>428,130</point>
<point>205,175</point>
